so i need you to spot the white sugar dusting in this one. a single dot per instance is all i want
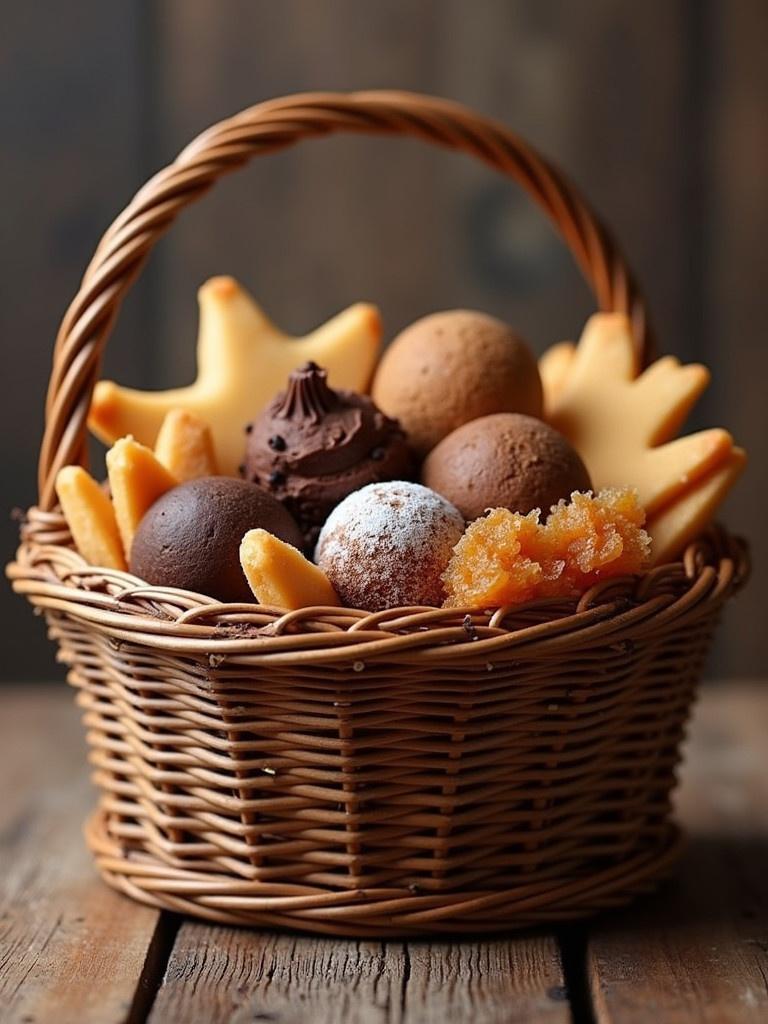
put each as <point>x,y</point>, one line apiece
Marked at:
<point>409,516</point>
<point>388,544</point>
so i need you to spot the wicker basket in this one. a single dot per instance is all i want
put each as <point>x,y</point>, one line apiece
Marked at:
<point>413,771</point>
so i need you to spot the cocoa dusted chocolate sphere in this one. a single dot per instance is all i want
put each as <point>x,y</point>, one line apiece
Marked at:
<point>452,367</point>
<point>505,461</point>
<point>190,538</point>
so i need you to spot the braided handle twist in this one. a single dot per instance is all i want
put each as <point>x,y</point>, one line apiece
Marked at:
<point>263,129</point>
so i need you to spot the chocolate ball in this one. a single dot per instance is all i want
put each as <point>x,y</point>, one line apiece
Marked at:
<point>449,368</point>
<point>506,460</point>
<point>190,538</point>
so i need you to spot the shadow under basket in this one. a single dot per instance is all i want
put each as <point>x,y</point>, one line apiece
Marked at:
<point>406,772</point>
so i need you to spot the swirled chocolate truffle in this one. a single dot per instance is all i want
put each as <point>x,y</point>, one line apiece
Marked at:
<point>312,446</point>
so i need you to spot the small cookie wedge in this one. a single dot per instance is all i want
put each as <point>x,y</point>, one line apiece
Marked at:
<point>90,518</point>
<point>185,446</point>
<point>280,576</point>
<point>137,479</point>
<point>675,526</point>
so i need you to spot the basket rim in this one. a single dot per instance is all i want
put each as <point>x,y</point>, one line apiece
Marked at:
<point>54,577</point>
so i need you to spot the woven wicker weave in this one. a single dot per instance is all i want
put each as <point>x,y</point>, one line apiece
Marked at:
<point>413,771</point>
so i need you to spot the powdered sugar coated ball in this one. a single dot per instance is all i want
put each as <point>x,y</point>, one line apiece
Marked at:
<point>388,544</point>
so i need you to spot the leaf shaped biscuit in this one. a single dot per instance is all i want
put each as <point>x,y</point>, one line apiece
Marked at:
<point>622,424</point>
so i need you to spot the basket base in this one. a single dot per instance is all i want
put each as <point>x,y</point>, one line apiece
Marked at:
<point>378,913</point>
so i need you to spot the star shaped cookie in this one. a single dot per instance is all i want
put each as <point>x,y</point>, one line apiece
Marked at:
<point>243,361</point>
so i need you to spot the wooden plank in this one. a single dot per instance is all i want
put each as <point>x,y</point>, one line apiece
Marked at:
<point>576,81</point>
<point>698,951</point>
<point>395,222</point>
<point>71,950</point>
<point>72,120</point>
<point>735,289</point>
<point>503,981</point>
<point>316,228</point>
<point>232,975</point>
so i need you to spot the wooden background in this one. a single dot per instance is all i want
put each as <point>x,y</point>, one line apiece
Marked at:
<point>658,110</point>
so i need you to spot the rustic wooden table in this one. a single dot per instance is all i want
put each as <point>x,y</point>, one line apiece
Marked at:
<point>71,950</point>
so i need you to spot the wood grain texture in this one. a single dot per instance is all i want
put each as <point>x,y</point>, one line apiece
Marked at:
<point>736,292</point>
<point>218,975</point>
<point>71,951</point>
<point>697,951</point>
<point>393,222</point>
<point>72,121</point>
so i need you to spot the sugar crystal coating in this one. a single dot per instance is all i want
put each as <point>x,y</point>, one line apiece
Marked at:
<point>496,561</point>
<point>598,537</point>
<point>506,558</point>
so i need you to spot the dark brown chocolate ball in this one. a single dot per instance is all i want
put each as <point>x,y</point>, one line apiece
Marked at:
<point>190,538</point>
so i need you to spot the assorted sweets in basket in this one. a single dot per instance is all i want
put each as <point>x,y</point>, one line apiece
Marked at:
<point>380,643</point>
<point>451,486</point>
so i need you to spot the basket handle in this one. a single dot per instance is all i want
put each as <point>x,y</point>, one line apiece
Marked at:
<point>266,128</point>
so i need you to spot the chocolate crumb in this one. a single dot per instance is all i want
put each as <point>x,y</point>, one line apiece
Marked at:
<point>469,627</point>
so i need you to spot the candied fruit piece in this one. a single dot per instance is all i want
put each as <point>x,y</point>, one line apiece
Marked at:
<point>598,537</point>
<point>507,558</point>
<point>496,561</point>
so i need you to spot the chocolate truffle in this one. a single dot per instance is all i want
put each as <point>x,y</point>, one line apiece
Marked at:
<point>190,538</point>
<point>506,460</point>
<point>312,446</point>
<point>388,544</point>
<point>452,367</point>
